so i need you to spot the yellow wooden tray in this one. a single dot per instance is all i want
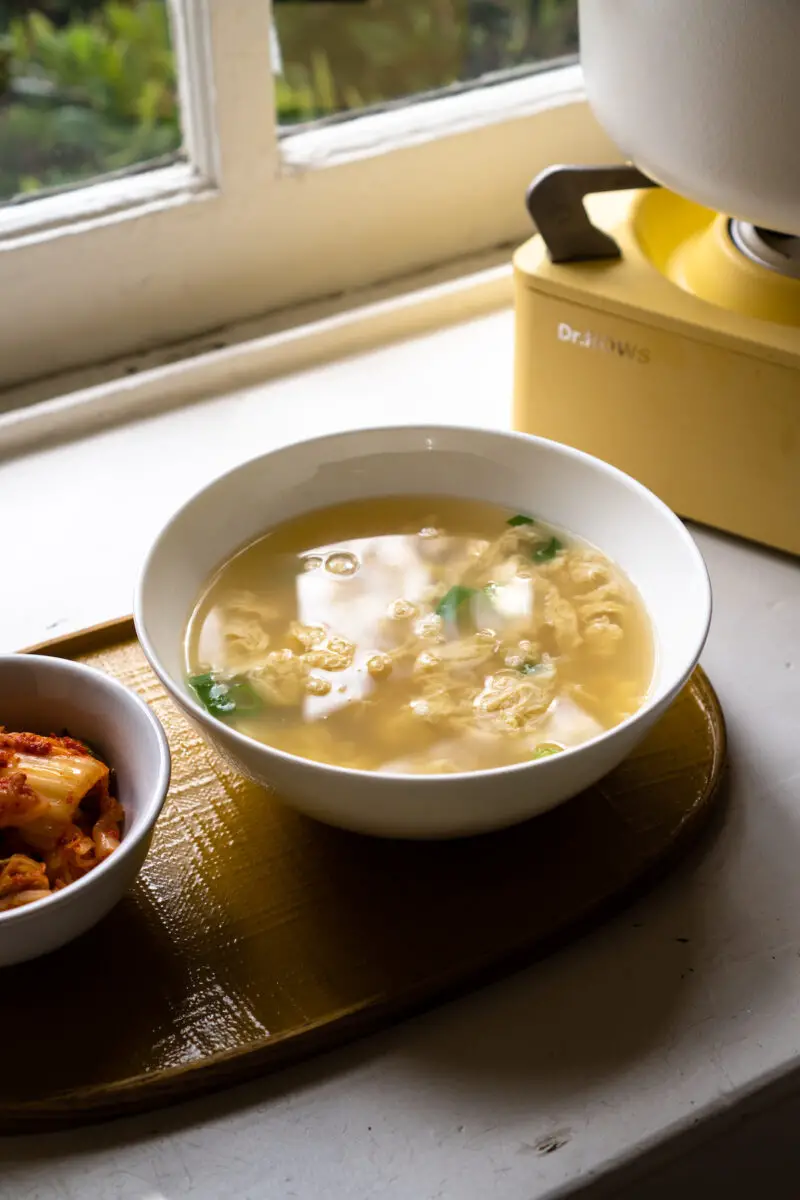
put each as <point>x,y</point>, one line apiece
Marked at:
<point>255,937</point>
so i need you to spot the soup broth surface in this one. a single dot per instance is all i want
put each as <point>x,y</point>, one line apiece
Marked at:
<point>420,635</point>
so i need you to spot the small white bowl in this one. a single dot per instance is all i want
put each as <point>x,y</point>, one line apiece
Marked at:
<point>46,695</point>
<point>563,486</point>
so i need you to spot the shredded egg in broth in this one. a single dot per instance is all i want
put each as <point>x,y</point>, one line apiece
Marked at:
<point>420,635</point>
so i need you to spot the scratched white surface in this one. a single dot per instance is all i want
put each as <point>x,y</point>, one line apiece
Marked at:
<point>525,1090</point>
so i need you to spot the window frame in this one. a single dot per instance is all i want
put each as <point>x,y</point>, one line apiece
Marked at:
<point>252,222</point>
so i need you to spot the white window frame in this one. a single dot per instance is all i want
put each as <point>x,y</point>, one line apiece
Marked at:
<point>253,223</point>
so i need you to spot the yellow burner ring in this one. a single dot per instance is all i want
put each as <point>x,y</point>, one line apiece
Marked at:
<point>692,247</point>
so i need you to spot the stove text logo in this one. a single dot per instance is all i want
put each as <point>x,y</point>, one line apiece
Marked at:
<point>589,340</point>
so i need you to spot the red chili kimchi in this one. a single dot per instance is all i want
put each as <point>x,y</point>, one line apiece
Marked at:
<point>58,818</point>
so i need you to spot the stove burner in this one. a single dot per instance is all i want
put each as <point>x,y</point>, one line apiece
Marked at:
<point>776,251</point>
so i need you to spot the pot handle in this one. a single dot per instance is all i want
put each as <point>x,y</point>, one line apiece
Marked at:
<point>555,203</point>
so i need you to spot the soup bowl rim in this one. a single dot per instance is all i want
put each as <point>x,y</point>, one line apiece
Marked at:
<point>248,744</point>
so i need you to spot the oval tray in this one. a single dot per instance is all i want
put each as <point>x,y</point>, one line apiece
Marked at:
<point>255,937</point>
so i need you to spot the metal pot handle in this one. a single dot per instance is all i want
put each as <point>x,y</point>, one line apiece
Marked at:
<point>555,203</point>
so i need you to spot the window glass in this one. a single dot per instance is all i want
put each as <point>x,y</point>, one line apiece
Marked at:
<point>339,57</point>
<point>87,88</point>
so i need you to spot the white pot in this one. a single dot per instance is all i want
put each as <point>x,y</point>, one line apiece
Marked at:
<point>704,96</point>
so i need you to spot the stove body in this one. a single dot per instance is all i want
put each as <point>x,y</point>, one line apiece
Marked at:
<point>659,336</point>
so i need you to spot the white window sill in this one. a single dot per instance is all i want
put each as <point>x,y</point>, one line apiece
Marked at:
<point>76,403</point>
<point>118,487</point>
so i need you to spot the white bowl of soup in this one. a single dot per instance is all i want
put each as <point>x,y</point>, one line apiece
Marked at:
<point>424,632</point>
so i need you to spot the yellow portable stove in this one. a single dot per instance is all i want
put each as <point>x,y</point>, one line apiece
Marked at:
<point>664,338</point>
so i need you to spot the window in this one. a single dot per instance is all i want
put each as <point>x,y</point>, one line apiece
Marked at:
<point>192,184</point>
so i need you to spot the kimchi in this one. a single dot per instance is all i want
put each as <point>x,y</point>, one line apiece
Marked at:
<point>58,816</point>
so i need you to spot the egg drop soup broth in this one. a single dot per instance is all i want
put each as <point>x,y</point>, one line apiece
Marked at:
<point>420,635</point>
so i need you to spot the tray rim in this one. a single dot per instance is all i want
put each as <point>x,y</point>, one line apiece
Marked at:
<point>85,641</point>
<point>143,1092</point>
